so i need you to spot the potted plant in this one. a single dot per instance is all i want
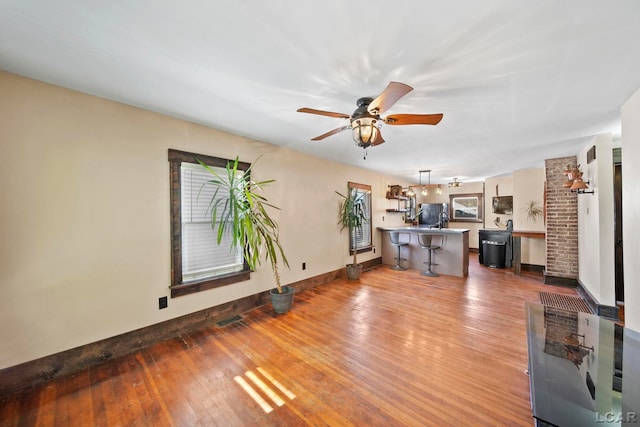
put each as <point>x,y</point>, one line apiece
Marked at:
<point>238,204</point>
<point>352,215</point>
<point>533,211</point>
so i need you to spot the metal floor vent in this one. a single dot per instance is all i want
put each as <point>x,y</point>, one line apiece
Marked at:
<point>229,321</point>
<point>565,302</point>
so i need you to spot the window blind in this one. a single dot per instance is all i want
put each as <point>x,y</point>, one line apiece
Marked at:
<point>362,238</point>
<point>202,256</point>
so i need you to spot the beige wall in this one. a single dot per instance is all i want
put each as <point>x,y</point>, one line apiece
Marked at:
<point>528,185</point>
<point>596,251</point>
<point>524,185</point>
<point>85,216</point>
<point>496,186</point>
<point>468,187</point>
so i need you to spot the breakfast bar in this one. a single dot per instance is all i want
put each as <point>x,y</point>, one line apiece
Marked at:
<point>452,259</point>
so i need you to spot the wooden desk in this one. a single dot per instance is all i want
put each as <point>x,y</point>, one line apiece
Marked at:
<point>517,246</point>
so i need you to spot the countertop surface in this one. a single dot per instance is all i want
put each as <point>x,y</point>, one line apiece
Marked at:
<point>425,229</point>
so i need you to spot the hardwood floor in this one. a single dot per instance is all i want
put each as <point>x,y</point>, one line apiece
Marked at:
<point>393,349</point>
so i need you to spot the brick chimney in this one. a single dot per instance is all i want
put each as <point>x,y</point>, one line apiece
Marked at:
<point>562,224</point>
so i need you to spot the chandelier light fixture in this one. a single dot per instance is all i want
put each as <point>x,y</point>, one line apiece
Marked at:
<point>424,188</point>
<point>455,183</point>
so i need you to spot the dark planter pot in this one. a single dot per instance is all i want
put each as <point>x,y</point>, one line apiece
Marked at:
<point>354,271</point>
<point>282,302</point>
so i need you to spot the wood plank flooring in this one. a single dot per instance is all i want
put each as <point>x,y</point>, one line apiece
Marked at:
<point>393,349</point>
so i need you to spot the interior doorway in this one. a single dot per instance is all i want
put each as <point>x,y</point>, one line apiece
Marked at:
<point>617,192</point>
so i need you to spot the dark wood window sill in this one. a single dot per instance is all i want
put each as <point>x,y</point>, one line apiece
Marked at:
<point>193,287</point>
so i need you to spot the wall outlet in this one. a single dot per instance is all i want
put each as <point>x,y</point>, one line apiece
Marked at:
<point>304,265</point>
<point>162,303</point>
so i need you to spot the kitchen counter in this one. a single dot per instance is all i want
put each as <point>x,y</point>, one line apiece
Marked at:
<point>427,229</point>
<point>452,259</point>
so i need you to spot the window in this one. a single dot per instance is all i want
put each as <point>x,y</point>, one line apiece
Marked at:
<point>361,240</point>
<point>197,261</point>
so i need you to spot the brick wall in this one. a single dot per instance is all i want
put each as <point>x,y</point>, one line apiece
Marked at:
<point>561,221</point>
<point>559,325</point>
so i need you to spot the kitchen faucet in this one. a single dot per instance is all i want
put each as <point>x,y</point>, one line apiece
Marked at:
<point>442,217</point>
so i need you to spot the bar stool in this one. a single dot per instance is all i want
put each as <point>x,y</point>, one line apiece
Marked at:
<point>399,239</point>
<point>431,242</point>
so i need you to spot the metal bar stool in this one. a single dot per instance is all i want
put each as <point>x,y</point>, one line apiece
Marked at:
<point>399,239</point>
<point>431,242</point>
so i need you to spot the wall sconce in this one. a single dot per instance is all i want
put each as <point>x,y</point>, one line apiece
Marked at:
<point>424,188</point>
<point>574,182</point>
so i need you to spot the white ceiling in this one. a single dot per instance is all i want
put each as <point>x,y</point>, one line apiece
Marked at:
<point>518,81</point>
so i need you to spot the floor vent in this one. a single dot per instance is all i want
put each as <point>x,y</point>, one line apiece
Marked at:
<point>228,321</point>
<point>565,302</point>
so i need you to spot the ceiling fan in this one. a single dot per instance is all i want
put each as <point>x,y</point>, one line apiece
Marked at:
<point>365,121</point>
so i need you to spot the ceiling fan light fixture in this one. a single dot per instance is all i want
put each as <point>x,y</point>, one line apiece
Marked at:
<point>365,122</point>
<point>364,131</point>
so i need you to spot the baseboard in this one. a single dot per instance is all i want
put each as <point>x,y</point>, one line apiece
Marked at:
<point>371,264</point>
<point>68,362</point>
<point>532,267</point>
<point>560,281</point>
<point>602,310</point>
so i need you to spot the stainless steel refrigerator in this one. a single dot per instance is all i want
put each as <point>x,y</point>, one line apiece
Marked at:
<point>434,214</point>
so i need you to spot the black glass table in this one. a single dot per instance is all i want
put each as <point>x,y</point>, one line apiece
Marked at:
<point>576,365</point>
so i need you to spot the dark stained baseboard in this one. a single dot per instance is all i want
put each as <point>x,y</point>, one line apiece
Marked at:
<point>610,312</point>
<point>68,362</point>
<point>560,281</point>
<point>532,267</point>
<point>373,263</point>
<point>602,310</point>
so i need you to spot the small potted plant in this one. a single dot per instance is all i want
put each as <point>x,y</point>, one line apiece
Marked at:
<point>352,215</point>
<point>533,211</point>
<point>237,203</point>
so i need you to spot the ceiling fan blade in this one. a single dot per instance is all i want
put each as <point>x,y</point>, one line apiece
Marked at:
<point>331,132</point>
<point>413,119</point>
<point>378,138</point>
<point>389,96</point>
<point>323,113</point>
